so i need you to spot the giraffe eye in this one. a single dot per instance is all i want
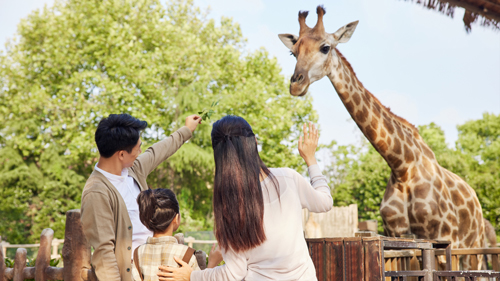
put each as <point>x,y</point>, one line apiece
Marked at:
<point>325,49</point>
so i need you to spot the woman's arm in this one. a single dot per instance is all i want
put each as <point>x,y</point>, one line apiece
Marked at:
<point>316,195</point>
<point>234,269</point>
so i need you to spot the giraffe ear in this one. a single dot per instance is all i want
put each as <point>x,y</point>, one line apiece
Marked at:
<point>345,32</point>
<point>288,39</point>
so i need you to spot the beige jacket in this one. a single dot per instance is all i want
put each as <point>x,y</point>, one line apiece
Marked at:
<point>104,216</point>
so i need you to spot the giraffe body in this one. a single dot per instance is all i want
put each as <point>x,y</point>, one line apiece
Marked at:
<point>421,197</point>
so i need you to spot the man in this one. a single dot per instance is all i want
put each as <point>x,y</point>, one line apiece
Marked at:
<point>109,212</point>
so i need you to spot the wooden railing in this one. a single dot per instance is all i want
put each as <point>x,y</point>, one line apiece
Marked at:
<point>386,259</point>
<point>75,254</point>
<point>191,240</point>
<point>55,247</point>
<point>409,259</point>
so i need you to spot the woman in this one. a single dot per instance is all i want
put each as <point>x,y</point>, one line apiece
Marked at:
<point>258,211</point>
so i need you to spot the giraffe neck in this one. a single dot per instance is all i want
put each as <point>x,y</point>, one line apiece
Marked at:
<point>393,137</point>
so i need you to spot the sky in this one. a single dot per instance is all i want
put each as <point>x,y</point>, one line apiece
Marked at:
<point>420,63</point>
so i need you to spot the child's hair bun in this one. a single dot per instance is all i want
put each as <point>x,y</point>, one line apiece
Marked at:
<point>157,208</point>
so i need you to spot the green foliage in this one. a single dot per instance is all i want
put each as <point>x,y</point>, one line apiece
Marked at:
<point>207,113</point>
<point>9,262</point>
<point>78,61</point>
<point>480,141</point>
<point>359,174</point>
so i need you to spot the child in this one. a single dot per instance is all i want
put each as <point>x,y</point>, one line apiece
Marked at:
<point>159,212</point>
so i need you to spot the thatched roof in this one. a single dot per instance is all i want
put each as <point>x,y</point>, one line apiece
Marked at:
<point>487,12</point>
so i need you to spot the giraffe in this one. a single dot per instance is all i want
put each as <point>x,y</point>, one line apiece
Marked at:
<point>421,197</point>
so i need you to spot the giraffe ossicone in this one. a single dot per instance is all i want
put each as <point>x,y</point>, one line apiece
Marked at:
<point>421,197</point>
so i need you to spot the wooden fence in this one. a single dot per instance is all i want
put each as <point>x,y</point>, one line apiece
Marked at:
<point>75,254</point>
<point>55,247</point>
<point>338,222</point>
<point>385,258</point>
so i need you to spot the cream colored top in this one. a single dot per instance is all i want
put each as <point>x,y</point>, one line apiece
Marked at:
<point>284,255</point>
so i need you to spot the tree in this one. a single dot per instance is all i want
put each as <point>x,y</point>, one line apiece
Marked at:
<point>479,140</point>
<point>78,61</point>
<point>359,174</point>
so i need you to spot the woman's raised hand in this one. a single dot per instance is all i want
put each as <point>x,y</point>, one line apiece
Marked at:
<point>183,273</point>
<point>308,144</point>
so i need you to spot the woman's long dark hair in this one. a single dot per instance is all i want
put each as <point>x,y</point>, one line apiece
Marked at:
<point>237,200</point>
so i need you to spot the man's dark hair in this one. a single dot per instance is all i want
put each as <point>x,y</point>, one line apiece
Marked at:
<point>118,132</point>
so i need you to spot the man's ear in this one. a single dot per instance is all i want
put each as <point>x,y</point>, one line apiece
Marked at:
<point>121,154</point>
<point>288,39</point>
<point>345,32</point>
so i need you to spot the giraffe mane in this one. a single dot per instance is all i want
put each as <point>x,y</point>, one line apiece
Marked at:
<point>401,119</point>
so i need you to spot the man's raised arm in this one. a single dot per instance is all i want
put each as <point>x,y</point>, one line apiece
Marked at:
<point>160,151</point>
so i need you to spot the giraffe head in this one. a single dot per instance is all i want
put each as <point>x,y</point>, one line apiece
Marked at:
<point>314,50</point>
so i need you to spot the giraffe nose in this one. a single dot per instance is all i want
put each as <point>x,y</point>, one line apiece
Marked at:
<point>297,78</point>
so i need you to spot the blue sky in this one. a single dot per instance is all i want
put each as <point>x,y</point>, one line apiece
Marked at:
<point>420,63</point>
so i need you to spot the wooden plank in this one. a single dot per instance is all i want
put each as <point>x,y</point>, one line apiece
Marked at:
<point>19,264</point>
<point>400,253</point>
<point>29,273</point>
<point>315,247</point>
<point>335,267</point>
<point>76,249</point>
<point>43,256</point>
<point>354,256</point>
<point>473,262</point>
<point>388,267</point>
<point>495,262</point>
<point>374,256</point>
<point>454,262</point>
<point>478,251</point>
<point>394,264</point>
<point>56,273</point>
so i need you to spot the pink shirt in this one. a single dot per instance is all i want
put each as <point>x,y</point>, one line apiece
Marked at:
<point>284,255</point>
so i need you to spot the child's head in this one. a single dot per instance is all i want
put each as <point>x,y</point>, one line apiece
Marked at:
<point>158,208</point>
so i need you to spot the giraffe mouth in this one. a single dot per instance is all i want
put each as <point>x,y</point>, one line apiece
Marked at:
<point>298,90</point>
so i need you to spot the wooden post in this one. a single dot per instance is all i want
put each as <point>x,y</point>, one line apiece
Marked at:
<point>428,260</point>
<point>180,238</point>
<point>316,248</point>
<point>374,259</point>
<point>495,262</point>
<point>2,266</point>
<point>353,249</point>
<point>334,256</point>
<point>43,256</point>
<point>19,264</point>
<point>76,249</point>
<point>473,262</point>
<point>4,248</point>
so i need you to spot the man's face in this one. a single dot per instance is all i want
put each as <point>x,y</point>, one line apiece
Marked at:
<point>129,158</point>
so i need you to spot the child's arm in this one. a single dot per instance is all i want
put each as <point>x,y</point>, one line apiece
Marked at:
<point>215,257</point>
<point>160,151</point>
